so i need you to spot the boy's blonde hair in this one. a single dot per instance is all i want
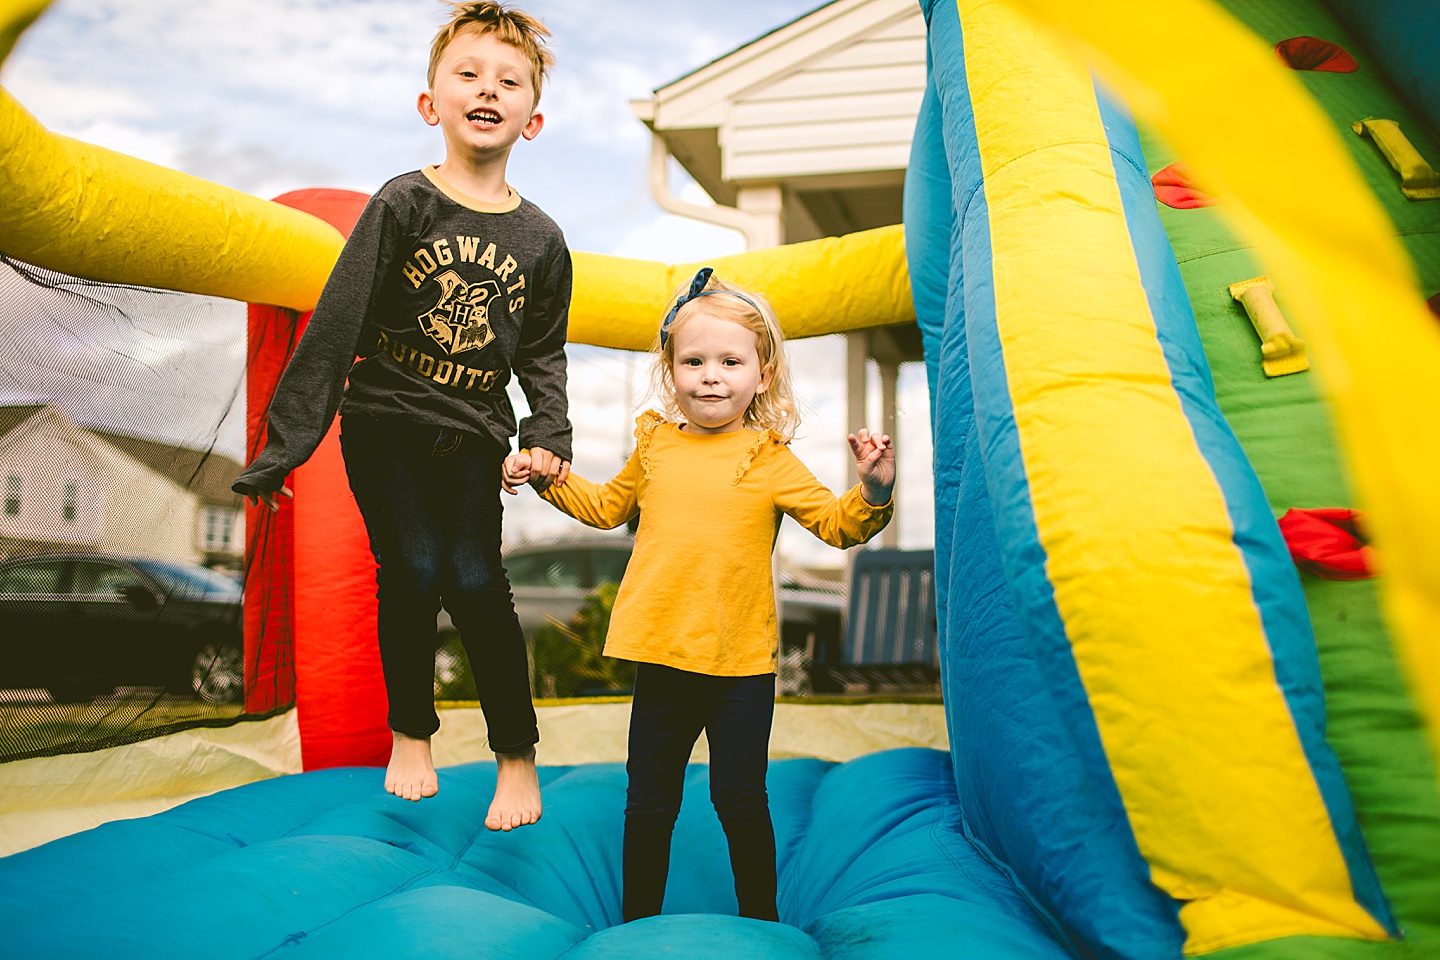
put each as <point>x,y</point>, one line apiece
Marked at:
<point>509,25</point>
<point>775,407</point>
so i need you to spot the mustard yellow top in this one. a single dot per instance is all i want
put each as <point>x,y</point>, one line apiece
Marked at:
<point>697,594</point>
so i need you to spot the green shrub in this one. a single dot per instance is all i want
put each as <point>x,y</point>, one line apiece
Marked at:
<point>453,680</point>
<point>566,660</point>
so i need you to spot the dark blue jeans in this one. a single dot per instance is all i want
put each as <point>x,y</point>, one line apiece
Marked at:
<point>431,502</point>
<point>671,708</point>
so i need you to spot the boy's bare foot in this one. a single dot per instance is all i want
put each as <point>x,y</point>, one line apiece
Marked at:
<point>411,773</point>
<point>517,791</point>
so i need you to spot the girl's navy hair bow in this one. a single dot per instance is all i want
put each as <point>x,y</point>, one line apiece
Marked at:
<point>696,291</point>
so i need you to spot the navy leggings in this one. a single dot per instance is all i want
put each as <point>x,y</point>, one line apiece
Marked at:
<point>431,502</point>
<point>671,708</point>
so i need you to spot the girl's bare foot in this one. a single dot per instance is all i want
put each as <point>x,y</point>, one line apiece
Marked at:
<point>517,791</point>
<point>411,773</point>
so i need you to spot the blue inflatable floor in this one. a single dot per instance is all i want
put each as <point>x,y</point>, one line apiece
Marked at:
<point>873,864</point>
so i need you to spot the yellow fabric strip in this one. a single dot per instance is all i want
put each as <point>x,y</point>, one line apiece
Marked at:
<point>1294,193</point>
<point>1155,596</point>
<point>15,16</point>
<point>1281,352</point>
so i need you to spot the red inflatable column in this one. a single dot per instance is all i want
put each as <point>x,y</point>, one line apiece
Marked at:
<point>310,580</point>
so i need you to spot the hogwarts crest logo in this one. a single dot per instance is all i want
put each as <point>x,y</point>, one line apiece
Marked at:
<point>460,320</point>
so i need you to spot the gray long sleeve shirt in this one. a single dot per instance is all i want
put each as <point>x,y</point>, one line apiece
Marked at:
<point>441,297</point>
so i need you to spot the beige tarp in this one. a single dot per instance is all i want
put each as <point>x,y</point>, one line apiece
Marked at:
<point>49,797</point>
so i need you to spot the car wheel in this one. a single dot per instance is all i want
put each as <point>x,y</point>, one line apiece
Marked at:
<point>217,672</point>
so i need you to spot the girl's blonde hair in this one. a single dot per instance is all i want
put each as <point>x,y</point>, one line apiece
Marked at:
<point>774,408</point>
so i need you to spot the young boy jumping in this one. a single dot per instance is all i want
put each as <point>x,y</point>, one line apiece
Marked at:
<point>449,282</point>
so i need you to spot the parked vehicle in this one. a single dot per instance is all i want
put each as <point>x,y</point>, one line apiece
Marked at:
<point>551,579</point>
<point>81,624</point>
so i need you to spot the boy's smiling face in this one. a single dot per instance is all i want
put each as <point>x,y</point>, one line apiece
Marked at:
<point>483,98</point>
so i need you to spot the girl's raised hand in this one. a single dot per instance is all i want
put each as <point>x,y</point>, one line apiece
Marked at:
<point>875,463</point>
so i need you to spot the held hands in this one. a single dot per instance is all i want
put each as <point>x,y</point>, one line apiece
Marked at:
<point>536,466</point>
<point>515,471</point>
<point>875,462</point>
<point>269,499</point>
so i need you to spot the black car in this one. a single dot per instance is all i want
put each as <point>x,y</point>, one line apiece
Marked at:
<point>79,625</point>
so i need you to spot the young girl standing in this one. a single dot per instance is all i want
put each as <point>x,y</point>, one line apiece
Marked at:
<point>696,609</point>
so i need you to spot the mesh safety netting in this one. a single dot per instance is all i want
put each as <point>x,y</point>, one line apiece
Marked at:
<point>121,545</point>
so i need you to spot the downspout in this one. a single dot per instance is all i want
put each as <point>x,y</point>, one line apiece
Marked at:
<point>755,228</point>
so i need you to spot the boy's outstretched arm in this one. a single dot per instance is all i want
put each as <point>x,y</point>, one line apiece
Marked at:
<point>875,463</point>
<point>540,366</point>
<point>308,394</point>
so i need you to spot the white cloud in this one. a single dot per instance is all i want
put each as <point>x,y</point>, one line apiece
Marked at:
<point>254,168</point>
<point>672,239</point>
<point>64,101</point>
<point>589,103</point>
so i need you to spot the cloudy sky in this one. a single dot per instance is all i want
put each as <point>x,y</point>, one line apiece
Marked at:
<point>268,96</point>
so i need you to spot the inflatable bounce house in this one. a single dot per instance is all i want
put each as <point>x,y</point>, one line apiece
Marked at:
<point>1171,268</point>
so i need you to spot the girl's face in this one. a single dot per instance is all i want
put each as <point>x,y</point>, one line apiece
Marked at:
<point>717,372</point>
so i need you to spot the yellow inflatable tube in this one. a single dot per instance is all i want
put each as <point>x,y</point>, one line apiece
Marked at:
<point>93,213</point>
<point>817,287</point>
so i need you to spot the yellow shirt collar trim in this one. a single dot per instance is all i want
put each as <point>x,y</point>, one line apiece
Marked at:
<point>465,200</point>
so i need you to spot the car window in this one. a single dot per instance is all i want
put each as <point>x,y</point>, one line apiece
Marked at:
<point>610,565</point>
<point>42,577</point>
<point>94,577</point>
<point>549,569</point>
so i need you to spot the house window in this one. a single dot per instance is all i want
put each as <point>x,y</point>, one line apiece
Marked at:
<point>12,494</point>
<point>72,497</point>
<point>218,531</point>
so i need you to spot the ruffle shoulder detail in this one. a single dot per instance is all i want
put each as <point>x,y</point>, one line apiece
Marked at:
<point>762,439</point>
<point>645,425</point>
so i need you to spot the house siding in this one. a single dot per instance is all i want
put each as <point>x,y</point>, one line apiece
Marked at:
<point>850,109</point>
<point>122,505</point>
<point>46,456</point>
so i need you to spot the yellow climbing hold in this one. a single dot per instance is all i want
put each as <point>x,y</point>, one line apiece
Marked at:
<point>1281,352</point>
<point>1418,180</point>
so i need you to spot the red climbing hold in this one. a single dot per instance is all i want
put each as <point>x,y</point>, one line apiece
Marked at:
<point>1174,188</point>
<point>1326,541</point>
<point>1312,53</point>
